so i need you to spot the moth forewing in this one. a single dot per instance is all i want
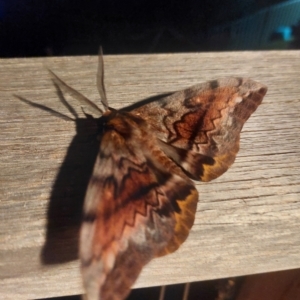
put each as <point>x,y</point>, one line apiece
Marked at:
<point>199,128</point>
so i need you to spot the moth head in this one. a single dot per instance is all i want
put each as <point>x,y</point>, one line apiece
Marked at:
<point>125,124</point>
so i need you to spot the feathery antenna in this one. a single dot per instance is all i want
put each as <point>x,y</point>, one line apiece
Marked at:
<point>100,80</point>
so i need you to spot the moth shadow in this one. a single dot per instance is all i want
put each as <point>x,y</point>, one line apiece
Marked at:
<point>64,211</point>
<point>66,201</point>
<point>68,191</point>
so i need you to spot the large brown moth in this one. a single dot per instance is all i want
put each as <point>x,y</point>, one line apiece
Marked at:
<point>141,201</point>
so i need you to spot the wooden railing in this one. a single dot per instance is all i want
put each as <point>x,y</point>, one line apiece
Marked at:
<point>247,221</point>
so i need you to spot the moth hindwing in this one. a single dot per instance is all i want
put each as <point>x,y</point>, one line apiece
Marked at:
<point>141,201</point>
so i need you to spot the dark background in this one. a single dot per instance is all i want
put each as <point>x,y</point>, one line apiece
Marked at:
<point>30,28</point>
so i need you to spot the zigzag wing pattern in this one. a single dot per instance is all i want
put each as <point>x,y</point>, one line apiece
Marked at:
<point>138,206</point>
<point>202,124</point>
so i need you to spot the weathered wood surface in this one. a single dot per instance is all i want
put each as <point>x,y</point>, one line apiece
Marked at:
<point>248,221</point>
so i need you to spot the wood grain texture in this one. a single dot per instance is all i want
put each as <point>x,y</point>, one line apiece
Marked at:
<point>247,221</point>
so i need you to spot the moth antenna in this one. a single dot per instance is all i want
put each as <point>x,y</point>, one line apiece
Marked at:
<point>100,80</point>
<point>45,108</point>
<point>78,96</point>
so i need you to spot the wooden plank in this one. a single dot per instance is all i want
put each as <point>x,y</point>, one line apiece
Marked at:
<point>247,221</point>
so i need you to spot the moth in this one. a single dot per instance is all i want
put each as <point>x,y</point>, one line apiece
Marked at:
<point>141,199</point>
